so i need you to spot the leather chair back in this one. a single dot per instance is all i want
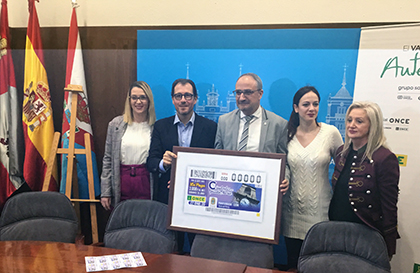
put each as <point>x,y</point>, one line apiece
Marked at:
<point>140,225</point>
<point>232,250</point>
<point>343,247</point>
<point>39,216</point>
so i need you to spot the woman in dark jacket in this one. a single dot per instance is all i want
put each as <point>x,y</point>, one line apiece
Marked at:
<point>366,175</point>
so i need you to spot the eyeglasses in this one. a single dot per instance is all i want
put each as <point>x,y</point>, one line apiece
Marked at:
<point>141,97</point>
<point>187,96</point>
<point>246,92</point>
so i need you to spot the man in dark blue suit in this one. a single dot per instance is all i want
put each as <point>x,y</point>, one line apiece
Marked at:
<point>186,129</point>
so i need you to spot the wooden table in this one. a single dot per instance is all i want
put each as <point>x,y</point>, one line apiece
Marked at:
<point>34,256</point>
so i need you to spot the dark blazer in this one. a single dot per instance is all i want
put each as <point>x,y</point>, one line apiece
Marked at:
<point>164,137</point>
<point>373,191</point>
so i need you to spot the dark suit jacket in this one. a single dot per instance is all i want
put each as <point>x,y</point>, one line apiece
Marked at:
<point>164,137</point>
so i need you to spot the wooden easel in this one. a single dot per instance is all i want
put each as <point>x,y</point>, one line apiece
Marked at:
<point>71,151</point>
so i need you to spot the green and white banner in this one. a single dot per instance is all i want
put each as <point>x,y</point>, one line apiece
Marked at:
<point>388,73</point>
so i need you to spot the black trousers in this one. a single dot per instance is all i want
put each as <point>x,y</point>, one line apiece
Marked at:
<point>293,247</point>
<point>181,239</point>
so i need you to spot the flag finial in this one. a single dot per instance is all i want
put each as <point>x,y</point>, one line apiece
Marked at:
<point>74,4</point>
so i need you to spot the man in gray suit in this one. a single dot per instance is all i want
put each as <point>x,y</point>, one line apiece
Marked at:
<point>254,129</point>
<point>267,131</point>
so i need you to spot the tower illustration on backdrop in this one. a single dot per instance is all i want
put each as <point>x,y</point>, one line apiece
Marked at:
<point>212,106</point>
<point>338,105</point>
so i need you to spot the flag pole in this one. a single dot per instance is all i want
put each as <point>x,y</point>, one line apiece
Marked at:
<point>37,112</point>
<point>76,114</point>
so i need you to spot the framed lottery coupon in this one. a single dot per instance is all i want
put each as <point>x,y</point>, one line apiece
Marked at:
<point>226,193</point>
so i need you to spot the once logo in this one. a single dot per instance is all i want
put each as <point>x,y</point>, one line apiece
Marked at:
<point>399,120</point>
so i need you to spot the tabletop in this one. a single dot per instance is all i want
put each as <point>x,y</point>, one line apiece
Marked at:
<point>36,256</point>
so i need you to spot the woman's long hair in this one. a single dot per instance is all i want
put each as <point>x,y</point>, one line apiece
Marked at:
<point>294,117</point>
<point>376,135</point>
<point>128,112</point>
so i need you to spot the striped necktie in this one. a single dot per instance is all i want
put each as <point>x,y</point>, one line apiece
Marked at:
<point>244,138</point>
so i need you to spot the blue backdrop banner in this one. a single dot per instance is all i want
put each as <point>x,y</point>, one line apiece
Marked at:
<point>285,59</point>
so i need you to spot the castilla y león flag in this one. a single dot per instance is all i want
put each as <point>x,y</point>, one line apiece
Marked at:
<point>38,127</point>
<point>75,74</point>
<point>10,167</point>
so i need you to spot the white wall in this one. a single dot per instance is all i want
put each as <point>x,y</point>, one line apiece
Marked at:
<point>214,12</point>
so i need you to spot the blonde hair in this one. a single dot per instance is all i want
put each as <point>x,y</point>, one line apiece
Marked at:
<point>128,111</point>
<point>376,135</point>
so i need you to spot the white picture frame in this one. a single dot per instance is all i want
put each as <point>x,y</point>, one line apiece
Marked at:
<point>227,193</point>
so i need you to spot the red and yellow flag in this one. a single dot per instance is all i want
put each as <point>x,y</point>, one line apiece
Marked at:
<point>37,116</point>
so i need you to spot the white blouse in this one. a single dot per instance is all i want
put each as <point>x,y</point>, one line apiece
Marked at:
<point>135,143</point>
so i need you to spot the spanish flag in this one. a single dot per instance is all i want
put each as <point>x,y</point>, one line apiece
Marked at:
<point>10,158</point>
<point>38,127</point>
